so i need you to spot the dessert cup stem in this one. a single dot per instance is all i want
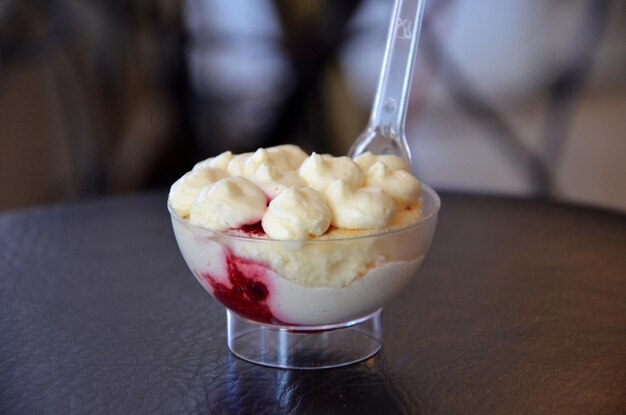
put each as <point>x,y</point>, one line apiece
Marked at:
<point>306,347</point>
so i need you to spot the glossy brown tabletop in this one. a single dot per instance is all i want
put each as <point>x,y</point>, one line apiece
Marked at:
<point>520,307</point>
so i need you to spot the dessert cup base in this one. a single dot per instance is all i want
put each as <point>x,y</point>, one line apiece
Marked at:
<point>305,347</point>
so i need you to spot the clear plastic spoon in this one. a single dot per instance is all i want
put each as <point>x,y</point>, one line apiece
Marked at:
<point>384,133</point>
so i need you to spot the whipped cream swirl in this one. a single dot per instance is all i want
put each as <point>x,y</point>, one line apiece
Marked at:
<point>362,208</point>
<point>320,171</point>
<point>272,181</point>
<point>367,160</point>
<point>306,195</point>
<point>247,164</point>
<point>227,204</point>
<point>219,162</point>
<point>294,154</point>
<point>403,187</point>
<point>185,190</point>
<point>296,214</point>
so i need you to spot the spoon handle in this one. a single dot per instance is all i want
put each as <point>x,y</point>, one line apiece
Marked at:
<point>390,103</point>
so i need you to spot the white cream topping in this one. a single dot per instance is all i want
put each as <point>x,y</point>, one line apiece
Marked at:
<point>367,160</point>
<point>294,154</point>
<point>236,165</point>
<point>228,203</point>
<point>403,187</point>
<point>186,189</point>
<point>272,181</point>
<point>219,162</point>
<point>320,171</point>
<point>363,208</point>
<point>357,200</point>
<point>247,164</point>
<point>295,214</point>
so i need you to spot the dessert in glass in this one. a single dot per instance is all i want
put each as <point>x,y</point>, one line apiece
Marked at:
<point>303,251</point>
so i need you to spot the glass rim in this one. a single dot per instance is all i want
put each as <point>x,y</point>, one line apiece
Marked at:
<point>424,187</point>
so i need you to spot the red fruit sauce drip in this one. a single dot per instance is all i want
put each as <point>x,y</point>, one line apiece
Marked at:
<point>254,229</point>
<point>247,294</point>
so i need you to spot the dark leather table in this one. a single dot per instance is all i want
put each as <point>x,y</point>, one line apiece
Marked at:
<point>519,308</point>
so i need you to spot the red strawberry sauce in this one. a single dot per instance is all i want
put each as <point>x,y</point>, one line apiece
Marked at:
<point>248,292</point>
<point>254,229</point>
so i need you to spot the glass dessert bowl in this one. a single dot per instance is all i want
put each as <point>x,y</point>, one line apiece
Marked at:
<point>306,304</point>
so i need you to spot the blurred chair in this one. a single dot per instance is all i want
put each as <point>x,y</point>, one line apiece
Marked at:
<point>91,98</point>
<point>513,97</point>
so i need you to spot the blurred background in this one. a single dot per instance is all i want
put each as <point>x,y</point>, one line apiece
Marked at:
<point>523,97</point>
